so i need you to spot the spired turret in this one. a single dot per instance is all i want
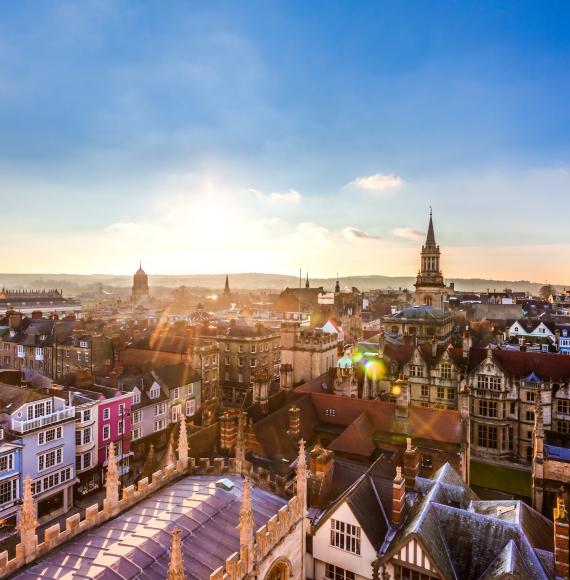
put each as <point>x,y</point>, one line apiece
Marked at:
<point>430,287</point>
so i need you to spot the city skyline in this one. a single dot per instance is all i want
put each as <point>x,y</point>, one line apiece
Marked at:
<point>260,138</point>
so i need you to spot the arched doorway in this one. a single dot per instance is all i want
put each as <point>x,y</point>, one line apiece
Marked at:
<point>281,570</point>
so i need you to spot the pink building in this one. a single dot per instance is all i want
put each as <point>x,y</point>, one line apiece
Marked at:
<point>113,426</point>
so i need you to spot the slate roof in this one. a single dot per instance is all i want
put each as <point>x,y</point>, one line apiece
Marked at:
<point>136,544</point>
<point>469,539</point>
<point>11,397</point>
<point>419,313</point>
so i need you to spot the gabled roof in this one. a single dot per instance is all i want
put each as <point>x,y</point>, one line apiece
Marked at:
<point>364,497</point>
<point>357,438</point>
<point>468,539</point>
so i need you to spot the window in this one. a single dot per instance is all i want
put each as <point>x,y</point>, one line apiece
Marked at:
<point>345,536</point>
<point>253,362</point>
<point>563,407</point>
<point>445,369</point>
<point>39,353</point>
<point>530,416</point>
<point>240,348</point>
<point>427,462</point>
<point>425,390</point>
<point>121,410</point>
<point>335,573</point>
<point>176,393</point>
<point>175,413</point>
<point>83,344</point>
<point>240,378</point>
<point>106,414</point>
<point>563,427</point>
<point>136,397</point>
<point>20,351</point>
<point>513,408</point>
<point>86,415</point>
<point>52,480</point>
<point>7,462</point>
<point>487,382</point>
<point>39,409</point>
<point>405,573</point>
<point>440,393</point>
<point>450,394</point>
<point>50,435</point>
<point>488,408</point>
<point>136,433</point>
<point>226,376</point>
<point>159,409</point>
<point>530,396</point>
<point>240,361</point>
<point>78,357</point>
<point>83,436</point>
<point>118,449</point>
<point>154,392</point>
<point>227,360</point>
<point>83,461</point>
<point>8,491</point>
<point>137,416</point>
<point>159,425</point>
<point>416,371</point>
<point>227,347</point>
<point>190,407</point>
<point>253,349</point>
<point>106,432</point>
<point>190,389</point>
<point>487,437</point>
<point>121,427</point>
<point>50,459</point>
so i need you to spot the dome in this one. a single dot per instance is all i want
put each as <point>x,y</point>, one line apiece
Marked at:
<point>345,362</point>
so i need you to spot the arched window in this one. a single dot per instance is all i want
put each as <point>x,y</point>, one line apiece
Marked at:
<point>281,570</point>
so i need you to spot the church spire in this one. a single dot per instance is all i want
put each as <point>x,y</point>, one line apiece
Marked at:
<point>227,286</point>
<point>307,281</point>
<point>337,285</point>
<point>430,240</point>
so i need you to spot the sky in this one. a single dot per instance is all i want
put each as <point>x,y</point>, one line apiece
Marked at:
<point>208,137</point>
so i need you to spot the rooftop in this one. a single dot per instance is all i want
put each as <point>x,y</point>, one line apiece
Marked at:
<point>136,543</point>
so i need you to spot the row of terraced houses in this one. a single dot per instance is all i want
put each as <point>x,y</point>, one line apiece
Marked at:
<point>60,435</point>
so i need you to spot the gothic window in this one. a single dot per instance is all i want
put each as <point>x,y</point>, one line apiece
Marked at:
<point>279,571</point>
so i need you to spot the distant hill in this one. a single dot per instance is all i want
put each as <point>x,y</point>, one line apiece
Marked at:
<point>73,283</point>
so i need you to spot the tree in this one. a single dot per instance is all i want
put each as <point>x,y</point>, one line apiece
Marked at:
<point>546,291</point>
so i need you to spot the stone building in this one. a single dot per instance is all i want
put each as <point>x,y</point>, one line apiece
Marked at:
<point>244,350</point>
<point>502,387</point>
<point>306,353</point>
<point>82,351</point>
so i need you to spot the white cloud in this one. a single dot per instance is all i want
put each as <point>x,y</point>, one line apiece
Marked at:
<point>352,233</point>
<point>407,233</point>
<point>292,196</point>
<point>378,183</point>
<point>311,231</point>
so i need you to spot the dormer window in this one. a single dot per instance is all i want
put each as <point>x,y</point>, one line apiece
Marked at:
<point>83,344</point>
<point>154,392</point>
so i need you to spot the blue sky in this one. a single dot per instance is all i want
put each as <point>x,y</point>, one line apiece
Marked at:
<point>265,136</point>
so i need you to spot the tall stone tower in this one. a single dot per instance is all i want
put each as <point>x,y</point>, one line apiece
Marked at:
<point>140,285</point>
<point>430,288</point>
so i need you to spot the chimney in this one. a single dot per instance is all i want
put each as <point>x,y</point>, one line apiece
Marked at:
<point>399,497</point>
<point>411,464</point>
<point>561,566</point>
<point>466,344</point>
<point>228,432</point>
<point>15,320</point>
<point>295,422</point>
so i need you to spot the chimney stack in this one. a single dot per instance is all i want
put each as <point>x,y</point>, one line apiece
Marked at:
<point>399,497</point>
<point>466,344</point>
<point>561,565</point>
<point>411,464</point>
<point>295,422</point>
